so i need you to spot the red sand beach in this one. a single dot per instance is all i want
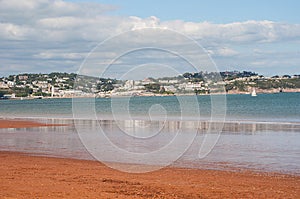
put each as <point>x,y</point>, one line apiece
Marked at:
<point>26,176</point>
<point>5,123</point>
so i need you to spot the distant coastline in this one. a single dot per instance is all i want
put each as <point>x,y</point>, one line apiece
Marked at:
<point>234,92</point>
<point>70,85</point>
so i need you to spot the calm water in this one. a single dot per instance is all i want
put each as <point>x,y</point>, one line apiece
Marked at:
<point>284,107</point>
<point>260,133</point>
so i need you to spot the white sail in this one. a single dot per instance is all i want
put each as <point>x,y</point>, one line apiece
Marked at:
<point>253,94</point>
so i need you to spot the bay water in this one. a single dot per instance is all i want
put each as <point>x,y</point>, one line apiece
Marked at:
<point>259,133</point>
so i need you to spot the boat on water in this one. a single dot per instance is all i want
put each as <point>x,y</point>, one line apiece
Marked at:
<point>253,94</point>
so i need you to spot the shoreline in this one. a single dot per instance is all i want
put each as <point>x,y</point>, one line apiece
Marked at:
<point>31,122</point>
<point>259,91</point>
<point>23,123</point>
<point>38,121</point>
<point>27,176</point>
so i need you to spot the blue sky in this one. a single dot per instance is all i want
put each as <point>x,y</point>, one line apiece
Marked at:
<point>56,35</point>
<point>216,11</point>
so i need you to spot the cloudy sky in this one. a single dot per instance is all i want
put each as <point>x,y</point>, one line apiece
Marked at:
<point>55,35</point>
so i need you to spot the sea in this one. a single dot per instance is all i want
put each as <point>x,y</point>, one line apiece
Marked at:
<point>228,132</point>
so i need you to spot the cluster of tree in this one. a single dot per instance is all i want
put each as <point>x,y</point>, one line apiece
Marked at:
<point>203,76</point>
<point>22,92</point>
<point>230,75</point>
<point>154,88</point>
<point>203,91</point>
<point>264,84</point>
<point>278,83</point>
<point>157,88</point>
<point>236,85</point>
<point>194,75</point>
<point>106,85</point>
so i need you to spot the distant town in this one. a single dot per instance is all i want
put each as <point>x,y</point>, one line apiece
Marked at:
<point>66,85</point>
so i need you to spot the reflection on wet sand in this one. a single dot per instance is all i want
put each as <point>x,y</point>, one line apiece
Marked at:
<point>201,126</point>
<point>274,146</point>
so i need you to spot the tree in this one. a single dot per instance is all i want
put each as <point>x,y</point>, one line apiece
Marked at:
<point>2,93</point>
<point>106,85</point>
<point>187,75</point>
<point>154,88</point>
<point>229,87</point>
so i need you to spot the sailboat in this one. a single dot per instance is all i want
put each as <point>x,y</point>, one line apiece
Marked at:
<point>253,94</point>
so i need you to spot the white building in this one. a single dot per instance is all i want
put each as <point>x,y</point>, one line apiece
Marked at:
<point>192,86</point>
<point>129,84</point>
<point>171,81</point>
<point>11,83</point>
<point>170,88</point>
<point>3,85</point>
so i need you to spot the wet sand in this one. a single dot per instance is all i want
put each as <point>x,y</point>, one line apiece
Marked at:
<point>27,176</point>
<point>5,123</point>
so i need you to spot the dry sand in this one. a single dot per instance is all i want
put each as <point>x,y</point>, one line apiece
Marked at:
<point>26,176</point>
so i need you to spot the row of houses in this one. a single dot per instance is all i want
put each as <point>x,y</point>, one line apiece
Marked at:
<point>62,85</point>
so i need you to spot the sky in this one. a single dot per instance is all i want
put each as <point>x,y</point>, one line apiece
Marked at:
<point>42,36</point>
<point>217,11</point>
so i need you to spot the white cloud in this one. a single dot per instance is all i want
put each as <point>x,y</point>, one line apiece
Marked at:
<point>139,23</point>
<point>60,55</point>
<point>238,32</point>
<point>65,22</point>
<point>224,52</point>
<point>74,28</point>
<point>12,31</point>
<point>45,15</point>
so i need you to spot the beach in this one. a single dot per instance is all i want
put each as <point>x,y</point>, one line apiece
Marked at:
<point>17,123</point>
<point>158,99</point>
<point>25,175</point>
